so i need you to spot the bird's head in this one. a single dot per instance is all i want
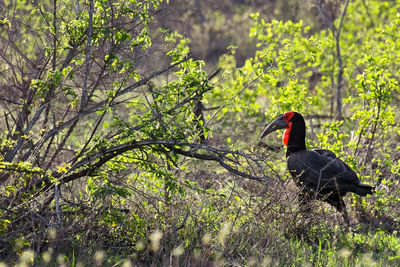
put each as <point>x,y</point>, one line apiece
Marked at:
<point>289,120</point>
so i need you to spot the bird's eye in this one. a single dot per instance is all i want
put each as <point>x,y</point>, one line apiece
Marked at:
<point>286,117</point>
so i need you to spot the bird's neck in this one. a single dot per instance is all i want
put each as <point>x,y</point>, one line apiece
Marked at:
<point>295,148</point>
<point>297,140</point>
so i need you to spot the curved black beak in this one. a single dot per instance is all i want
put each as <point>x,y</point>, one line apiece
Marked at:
<point>278,123</point>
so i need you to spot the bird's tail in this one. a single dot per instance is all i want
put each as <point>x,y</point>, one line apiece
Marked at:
<point>364,189</point>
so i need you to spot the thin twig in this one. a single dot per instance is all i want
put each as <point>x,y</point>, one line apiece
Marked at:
<point>56,196</point>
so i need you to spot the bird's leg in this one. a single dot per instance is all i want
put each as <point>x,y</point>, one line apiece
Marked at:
<point>337,201</point>
<point>346,218</point>
<point>341,207</point>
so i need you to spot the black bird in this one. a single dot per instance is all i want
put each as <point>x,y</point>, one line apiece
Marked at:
<point>319,172</point>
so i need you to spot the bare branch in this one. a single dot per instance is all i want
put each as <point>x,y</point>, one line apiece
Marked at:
<point>87,63</point>
<point>10,101</point>
<point>336,35</point>
<point>327,21</point>
<point>91,163</point>
<point>339,82</point>
<point>55,34</point>
<point>171,144</point>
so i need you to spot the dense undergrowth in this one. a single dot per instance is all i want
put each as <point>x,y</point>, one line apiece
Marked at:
<point>107,162</point>
<point>226,226</point>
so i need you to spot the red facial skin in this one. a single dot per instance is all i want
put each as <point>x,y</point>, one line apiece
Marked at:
<point>287,117</point>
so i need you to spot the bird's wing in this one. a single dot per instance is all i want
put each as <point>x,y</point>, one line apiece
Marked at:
<point>322,170</point>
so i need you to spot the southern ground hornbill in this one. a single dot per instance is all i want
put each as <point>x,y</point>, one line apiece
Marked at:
<point>319,173</point>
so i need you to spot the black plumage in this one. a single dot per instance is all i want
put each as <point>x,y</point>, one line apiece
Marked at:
<point>319,173</point>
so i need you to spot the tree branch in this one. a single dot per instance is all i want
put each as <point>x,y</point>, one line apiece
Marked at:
<point>340,62</point>
<point>93,162</point>
<point>336,35</point>
<point>87,60</point>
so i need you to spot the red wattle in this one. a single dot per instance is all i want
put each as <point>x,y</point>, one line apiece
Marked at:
<point>287,133</point>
